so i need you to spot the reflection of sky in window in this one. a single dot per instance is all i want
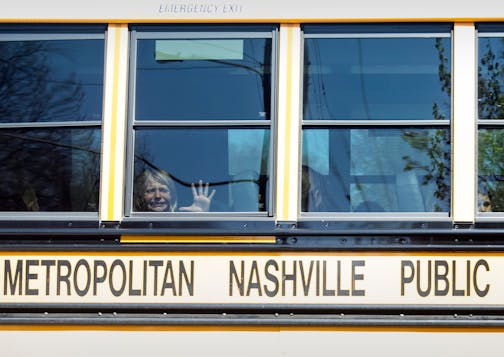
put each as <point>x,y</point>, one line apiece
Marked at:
<point>199,50</point>
<point>213,89</point>
<point>373,78</point>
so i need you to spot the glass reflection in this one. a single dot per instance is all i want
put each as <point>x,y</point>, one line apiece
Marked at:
<point>377,78</point>
<point>201,82</point>
<point>233,162</point>
<point>491,78</point>
<point>376,170</point>
<point>491,170</point>
<point>48,81</point>
<point>49,169</point>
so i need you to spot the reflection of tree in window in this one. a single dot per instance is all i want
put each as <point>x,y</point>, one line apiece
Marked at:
<point>491,140</point>
<point>42,168</point>
<point>434,144</point>
<point>28,91</point>
<point>52,169</point>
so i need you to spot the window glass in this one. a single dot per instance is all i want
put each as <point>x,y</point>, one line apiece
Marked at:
<point>364,169</point>
<point>49,169</point>
<point>377,78</point>
<point>491,78</point>
<point>388,83</point>
<point>491,170</point>
<point>51,80</point>
<point>203,79</point>
<point>490,107</point>
<point>233,161</point>
<point>201,49</point>
<point>51,94</point>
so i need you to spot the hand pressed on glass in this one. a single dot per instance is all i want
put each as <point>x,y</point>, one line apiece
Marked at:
<point>201,199</point>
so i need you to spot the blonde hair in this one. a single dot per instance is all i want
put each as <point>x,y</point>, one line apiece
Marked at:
<point>160,176</point>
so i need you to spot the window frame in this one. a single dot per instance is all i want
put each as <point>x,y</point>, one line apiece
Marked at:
<point>376,31</point>
<point>57,32</point>
<point>187,32</point>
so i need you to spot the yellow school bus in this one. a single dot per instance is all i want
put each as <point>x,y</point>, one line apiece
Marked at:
<point>250,177</point>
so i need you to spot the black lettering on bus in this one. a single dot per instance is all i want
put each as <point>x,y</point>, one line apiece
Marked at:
<point>441,275</point>
<point>479,292</point>
<point>455,291</point>
<point>234,278</point>
<point>317,275</point>
<point>188,279</point>
<point>341,292</point>
<point>254,281</point>
<point>426,292</point>
<point>131,291</point>
<point>48,264</point>
<point>117,263</point>
<point>291,277</point>
<point>406,279</point>
<point>325,291</point>
<point>99,278</point>
<point>156,264</point>
<point>144,285</point>
<point>63,277</point>
<point>15,282</point>
<point>29,276</point>
<point>85,264</point>
<point>468,277</point>
<point>306,281</point>
<point>169,284</point>
<point>271,277</point>
<point>355,276</point>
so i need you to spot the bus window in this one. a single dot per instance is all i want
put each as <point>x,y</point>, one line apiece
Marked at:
<point>200,118</point>
<point>491,118</point>
<point>51,89</point>
<point>376,116</point>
